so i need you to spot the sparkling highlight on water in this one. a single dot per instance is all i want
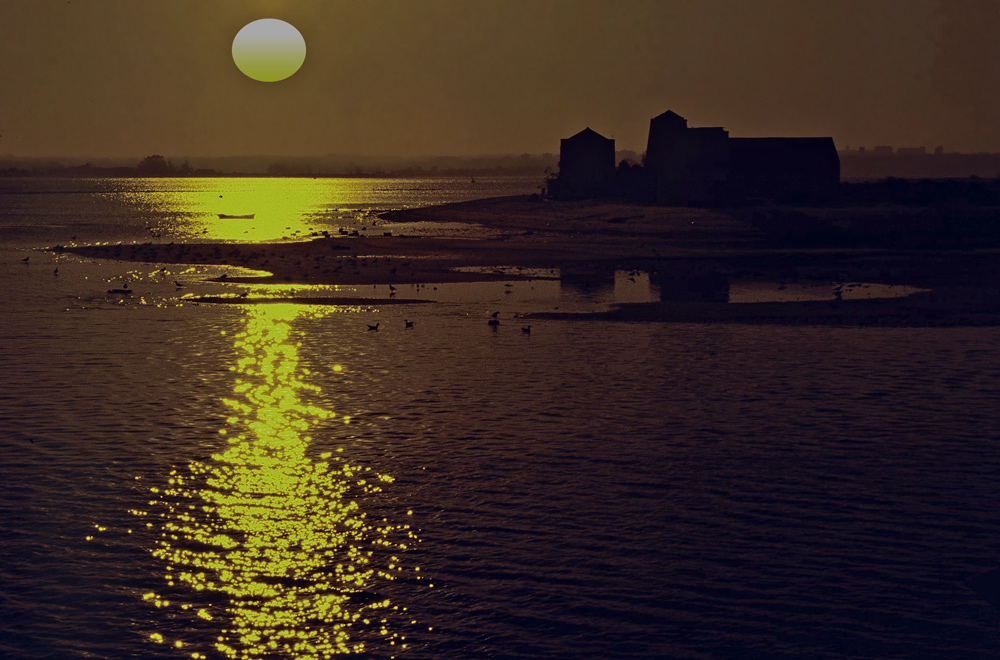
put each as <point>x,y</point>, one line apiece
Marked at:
<point>268,542</point>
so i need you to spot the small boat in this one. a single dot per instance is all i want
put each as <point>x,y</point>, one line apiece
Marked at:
<point>226,216</point>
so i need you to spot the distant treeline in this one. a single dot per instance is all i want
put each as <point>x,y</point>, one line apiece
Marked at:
<point>946,192</point>
<point>922,214</point>
<point>916,164</point>
<point>854,164</point>
<point>155,165</point>
<point>328,166</point>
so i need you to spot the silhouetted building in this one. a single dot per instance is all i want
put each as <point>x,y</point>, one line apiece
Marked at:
<point>784,168</point>
<point>697,165</point>
<point>586,167</point>
<point>686,165</point>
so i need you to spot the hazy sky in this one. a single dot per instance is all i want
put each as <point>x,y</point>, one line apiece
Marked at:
<point>458,77</point>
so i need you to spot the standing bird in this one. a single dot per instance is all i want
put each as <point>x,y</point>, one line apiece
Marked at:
<point>374,328</point>
<point>494,315</point>
<point>526,330</point>
<point>25,260</point>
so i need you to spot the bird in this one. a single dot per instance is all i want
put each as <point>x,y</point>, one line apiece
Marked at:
<point>56,272</point>
<point>179,285</point>
<point>494,315</point>
<point>526,330</point>
<point>373,328</point>
<point>392,288</point>
<point>409,324</point>
<point>25,260</point>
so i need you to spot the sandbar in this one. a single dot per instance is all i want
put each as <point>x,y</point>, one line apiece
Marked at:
<point>528,234</point>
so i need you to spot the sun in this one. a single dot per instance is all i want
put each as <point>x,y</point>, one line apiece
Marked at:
<point>269,50</point>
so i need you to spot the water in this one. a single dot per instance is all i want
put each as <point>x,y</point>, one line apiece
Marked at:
<point>588,490</point>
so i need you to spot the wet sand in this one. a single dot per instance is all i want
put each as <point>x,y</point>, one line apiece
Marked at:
<point>530,235</point>
<point>947,308</point>
<point>594,236</point>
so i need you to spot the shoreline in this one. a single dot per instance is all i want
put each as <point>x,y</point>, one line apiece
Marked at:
<point>936,309</point>
<point>687,245</point>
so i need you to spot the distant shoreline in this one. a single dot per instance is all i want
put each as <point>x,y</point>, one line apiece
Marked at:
<point>72,173</point>
<point>855,164</point>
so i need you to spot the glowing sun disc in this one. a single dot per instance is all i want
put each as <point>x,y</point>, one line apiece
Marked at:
<point>269,50</point>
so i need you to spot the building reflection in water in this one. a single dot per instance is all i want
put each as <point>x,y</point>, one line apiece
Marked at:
<point>267,543</point>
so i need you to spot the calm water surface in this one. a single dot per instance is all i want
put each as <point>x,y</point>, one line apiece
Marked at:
<point>183,481</point>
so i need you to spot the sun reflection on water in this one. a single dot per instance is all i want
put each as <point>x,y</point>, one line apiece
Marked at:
<point>272,543</point>
<point>218,209</point>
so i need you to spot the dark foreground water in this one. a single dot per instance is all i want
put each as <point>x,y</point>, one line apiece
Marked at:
<point>276,481</point>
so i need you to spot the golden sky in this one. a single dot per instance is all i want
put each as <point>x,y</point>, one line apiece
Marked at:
<point>463,77</point>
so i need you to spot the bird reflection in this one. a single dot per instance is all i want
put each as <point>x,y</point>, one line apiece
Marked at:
<point>267,539</point>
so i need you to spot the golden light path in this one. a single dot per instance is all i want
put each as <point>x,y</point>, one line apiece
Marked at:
<point>284,208</point>
<point>266,541</point>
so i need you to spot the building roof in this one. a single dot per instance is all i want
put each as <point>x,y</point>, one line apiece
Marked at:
<point>670,116</point>
<point>588,135</point>
<point>709,129</point>
<point>781,143</point>
<point>784,154</point>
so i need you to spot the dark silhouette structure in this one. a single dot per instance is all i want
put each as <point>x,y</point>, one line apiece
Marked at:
<point>693,166</point>
<point>703,165</point>
<point>686,165</point>
<point>784,168</point>
<point>586,167</point>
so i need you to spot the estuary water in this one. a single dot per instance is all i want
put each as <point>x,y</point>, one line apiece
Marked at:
<point>184,480</point>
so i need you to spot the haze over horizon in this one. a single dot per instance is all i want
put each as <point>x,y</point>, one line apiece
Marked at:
<point>109,78</point>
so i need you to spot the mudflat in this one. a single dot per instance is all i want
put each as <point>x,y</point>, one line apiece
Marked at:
<point>686,245</point>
